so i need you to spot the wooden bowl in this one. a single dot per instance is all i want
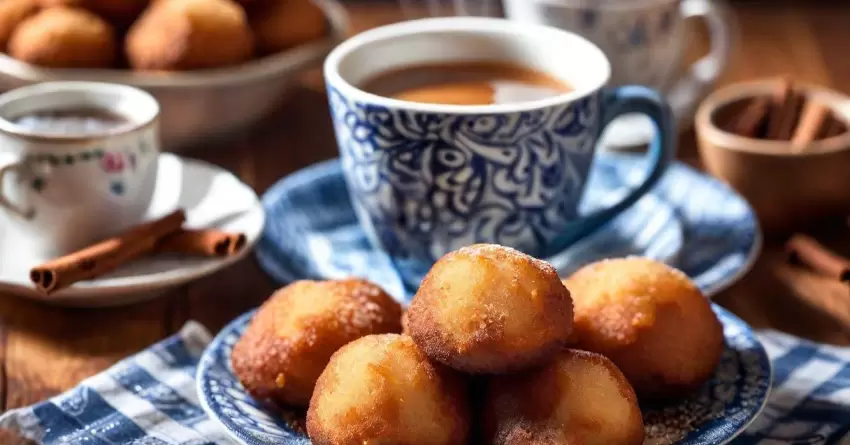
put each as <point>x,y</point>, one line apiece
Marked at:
<point>787,190</point>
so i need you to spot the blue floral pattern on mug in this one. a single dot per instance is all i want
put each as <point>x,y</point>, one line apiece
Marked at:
<point>428,183</point>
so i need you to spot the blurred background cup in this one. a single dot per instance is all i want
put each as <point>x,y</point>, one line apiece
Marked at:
<point>443,8</point>
<point>645,42</point>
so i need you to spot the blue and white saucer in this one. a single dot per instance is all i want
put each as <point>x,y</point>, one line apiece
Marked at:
<point>690,221</point>
<point>720,411</point>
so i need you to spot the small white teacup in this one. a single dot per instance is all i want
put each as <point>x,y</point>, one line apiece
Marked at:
<point>78,162</point>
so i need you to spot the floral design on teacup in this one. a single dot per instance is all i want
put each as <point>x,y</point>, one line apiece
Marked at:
<point>430,183</point>
<point>115,163</point>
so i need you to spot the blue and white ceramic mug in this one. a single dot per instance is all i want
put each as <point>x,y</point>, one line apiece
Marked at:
<point>426,179</point>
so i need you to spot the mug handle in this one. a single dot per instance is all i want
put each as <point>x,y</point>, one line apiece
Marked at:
<point>615,103</point>
<point>9,166</point>
<point>696,82</point>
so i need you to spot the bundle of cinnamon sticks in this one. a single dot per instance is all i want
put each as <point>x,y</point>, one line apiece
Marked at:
<point>786,115</point>
<point>164,235</point>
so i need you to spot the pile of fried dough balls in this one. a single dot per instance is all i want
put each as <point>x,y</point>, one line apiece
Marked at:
<point>157,35</point>
<point>495,350</point>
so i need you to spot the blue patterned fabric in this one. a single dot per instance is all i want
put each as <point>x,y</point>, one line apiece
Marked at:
<point>151,399</point>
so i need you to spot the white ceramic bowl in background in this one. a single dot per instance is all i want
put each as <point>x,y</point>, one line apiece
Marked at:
<point>198,106</point>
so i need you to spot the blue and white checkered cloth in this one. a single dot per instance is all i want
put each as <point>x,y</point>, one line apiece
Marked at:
<point>150,399</point>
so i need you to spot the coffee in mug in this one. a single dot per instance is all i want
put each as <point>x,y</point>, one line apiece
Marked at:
<point>466,83</point>
<point>75,121</point>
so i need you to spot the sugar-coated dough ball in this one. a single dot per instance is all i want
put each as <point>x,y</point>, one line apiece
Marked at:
<point>12,13</point>
<point>189,35</point>
<point>490,309</point>
<point>579,398</point>
<point>294,334</point>
<point>283,24</point>
<point>651,320</point>
<point>382,389</point>
<point>64,37</point>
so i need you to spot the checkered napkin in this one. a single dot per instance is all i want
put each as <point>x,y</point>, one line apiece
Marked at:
<point>150,399</point>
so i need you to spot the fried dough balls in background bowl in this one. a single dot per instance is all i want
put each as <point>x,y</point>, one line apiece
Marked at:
<point>121,11</point>
<point>64,37</point>
<point>293,335</point>
<point>196,57</point>
<point>276,31</point>
<point>381,389</point>
<point>651,321</point>
<point>12,13</point>
<point>579,398</point>
<point>190,35</point>
<point>490,309</point>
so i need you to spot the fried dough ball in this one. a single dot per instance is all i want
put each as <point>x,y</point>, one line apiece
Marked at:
<point>189,35</point>
<point>120,10</point>
<point>294,334</point>
<point>63,37</point>
<point>490,309</point>
<point>12,13</point>
<point>580,398</point>
<point>650,320</point>
<point>283,24</point>
<point>383,390</point>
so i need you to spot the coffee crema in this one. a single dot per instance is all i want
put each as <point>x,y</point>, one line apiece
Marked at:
<point>71,122</point>
<point>466,83</point>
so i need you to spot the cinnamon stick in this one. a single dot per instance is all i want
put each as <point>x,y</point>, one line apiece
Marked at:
<point>209,242</point>
<point>784,111</point>
<point>105,256</point>
<point>812,119</point>
<point>824,294</point>
<point>806,250</point>
<point>752,119</point>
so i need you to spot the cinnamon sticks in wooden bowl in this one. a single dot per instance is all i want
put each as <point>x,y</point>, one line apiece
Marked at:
<point>783,145</point>
<point>164,235</point>
<point>786,115</point>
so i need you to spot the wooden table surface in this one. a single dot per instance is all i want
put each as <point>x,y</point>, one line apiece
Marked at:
<point>45,350</point>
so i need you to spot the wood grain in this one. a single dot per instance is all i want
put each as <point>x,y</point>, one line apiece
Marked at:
<point>45,350</point>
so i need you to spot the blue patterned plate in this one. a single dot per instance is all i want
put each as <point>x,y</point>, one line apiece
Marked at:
<point>690,220</point>
<point>716,414</point>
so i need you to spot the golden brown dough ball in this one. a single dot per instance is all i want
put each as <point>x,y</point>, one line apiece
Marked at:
<point>63,37</point>
<point>12,13</point>
<point>283,24</point>
<point>189,35</point>
<point>580,398</point>
<point>382,390</point>
<point>490,309</point>
<point>294,334</point>
<point>123,11</point>
<point>650,320</point>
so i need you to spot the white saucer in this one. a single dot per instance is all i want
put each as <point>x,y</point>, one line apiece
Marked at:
<point>211,197</point>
